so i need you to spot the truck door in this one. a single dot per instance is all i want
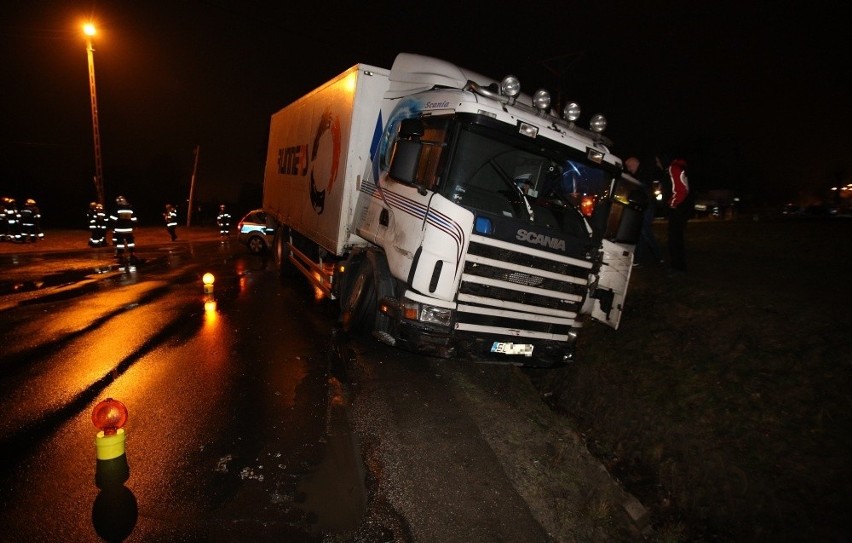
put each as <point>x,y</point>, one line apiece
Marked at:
<point>623,226</point>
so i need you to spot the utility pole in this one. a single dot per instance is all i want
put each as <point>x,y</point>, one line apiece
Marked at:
<point>192,186</point>
<point>89,30</point>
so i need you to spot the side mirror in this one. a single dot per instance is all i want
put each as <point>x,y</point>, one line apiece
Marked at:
<point>404,161</point>
<point>406,152</point>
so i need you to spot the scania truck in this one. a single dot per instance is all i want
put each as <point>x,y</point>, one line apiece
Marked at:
<point>451,214</point>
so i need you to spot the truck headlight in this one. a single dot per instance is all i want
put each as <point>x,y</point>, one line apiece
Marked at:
<point>435,315</point>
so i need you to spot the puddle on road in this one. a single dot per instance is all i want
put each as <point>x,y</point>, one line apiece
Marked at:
<point>67,277</point>
<point>335,496</point>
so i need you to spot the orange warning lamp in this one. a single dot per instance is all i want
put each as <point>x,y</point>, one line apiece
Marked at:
<point>109,416</point>
<point>208,280</point>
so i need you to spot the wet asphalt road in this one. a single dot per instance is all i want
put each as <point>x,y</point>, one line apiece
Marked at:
<point>231,397</point>
<point>252,419</point>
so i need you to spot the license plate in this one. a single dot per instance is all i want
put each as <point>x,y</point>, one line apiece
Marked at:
<point>500,347</point>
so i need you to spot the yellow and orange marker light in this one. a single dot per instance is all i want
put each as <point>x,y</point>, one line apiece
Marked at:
<point>208,281</point>
<point>109,417</point>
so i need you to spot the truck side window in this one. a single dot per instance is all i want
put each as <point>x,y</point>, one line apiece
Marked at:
<point>431,156</point>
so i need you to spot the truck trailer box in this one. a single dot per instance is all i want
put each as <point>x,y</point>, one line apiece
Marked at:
<point>319,147</point>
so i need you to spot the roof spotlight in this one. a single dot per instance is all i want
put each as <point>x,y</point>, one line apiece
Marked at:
<point>541,100</point>
<point>598,123</point>
<point>510,86</point>
<point>571,111</point>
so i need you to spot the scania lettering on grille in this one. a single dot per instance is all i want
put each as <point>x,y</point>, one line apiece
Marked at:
<point>540,239</point>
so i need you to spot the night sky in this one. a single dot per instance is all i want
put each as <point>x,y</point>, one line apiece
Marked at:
<point>756,97</point>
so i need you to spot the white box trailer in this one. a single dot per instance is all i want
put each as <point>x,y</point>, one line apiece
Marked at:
<point>323,143</point>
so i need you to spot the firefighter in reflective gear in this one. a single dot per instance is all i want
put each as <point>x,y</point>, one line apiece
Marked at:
<point>4,223</point>
<point>102,222</point>
<point>97,225</point>
<point>12,232</point>
<point>93,228</point>
<point>123,221</point>
<point>170,216</point>
<point>30,219</point>
<point>223,219</point>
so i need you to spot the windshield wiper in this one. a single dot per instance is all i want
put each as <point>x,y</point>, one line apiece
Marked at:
<point>511,182</point>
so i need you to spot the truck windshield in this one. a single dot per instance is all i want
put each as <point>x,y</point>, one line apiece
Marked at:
<point>515,177</point>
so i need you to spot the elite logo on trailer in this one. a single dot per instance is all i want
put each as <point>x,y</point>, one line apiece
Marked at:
<point>324,159</point>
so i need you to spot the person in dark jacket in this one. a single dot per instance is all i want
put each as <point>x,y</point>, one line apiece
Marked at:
<point>97,225</point>
<point>123,221</point>
<point>4,222</point>
<point>223,219</point>
<point>93,228</point>
<point>30,219</point>
<point>170,216</point>
<point>680,210</point>
<point>648,248</point>
<point>13,225</point>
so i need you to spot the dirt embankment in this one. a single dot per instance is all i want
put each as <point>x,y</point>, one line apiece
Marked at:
<point>722,401</point>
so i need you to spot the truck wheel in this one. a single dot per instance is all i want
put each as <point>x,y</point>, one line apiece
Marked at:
<point>358,303</point>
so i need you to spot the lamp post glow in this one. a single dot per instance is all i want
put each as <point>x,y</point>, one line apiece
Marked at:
<point>89,30</point>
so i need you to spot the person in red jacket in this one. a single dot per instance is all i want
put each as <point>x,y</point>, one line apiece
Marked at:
<point>680,210</point>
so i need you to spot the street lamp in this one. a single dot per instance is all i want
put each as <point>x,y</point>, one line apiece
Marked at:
<point>89,30</point>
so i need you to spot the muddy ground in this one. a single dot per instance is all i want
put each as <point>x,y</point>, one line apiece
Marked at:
<point>722,402</point>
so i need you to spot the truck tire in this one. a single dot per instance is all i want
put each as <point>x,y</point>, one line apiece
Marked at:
<point>358,302</point>
<point>369,282</point>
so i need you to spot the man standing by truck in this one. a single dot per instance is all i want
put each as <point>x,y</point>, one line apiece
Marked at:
<point>680,209</point>
<point>648,248</point>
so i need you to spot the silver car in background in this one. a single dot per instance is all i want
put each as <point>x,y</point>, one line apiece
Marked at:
<point>256,231</point>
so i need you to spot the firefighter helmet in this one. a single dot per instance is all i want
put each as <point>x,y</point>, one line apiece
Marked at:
<point>121,200</point>
<point>93,205</point>
<point>99,207</point>
<point>30,202</point>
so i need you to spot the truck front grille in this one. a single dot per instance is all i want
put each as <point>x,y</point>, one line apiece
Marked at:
<point>515,290</point>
